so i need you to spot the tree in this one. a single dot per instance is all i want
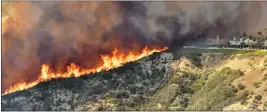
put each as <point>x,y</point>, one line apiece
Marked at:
<point>259,44</point>
<point>242,44</point>
<point>259,33</point>
<point>228,44</point>
<point>250,37</point>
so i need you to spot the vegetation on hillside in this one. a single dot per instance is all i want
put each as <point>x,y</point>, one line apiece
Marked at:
<point>217,92</point>
<point>151,84</point>
<point>188,91</point>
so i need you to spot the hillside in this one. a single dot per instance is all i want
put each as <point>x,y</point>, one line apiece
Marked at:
<point>219,82</point>
<point>118,89</point>
<point>162,81</point>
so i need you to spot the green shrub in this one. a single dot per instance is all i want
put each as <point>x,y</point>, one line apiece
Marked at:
<point>199,84</point>
<point>187,65</point>
<point>250,64</point>
<point>195,58</point>
<point>108,96</point>
<point>244,93</point>
<point>257,84</point>
<point>265,77</point>
<point>265,103</point>
<point>179,84</point>
<point>243,96</point>
<point>241,86</point>
<point>265,62</point>
<point>263,69</point>
<point>258,97</point>
<point>235,90</point>
<point>252,93</point>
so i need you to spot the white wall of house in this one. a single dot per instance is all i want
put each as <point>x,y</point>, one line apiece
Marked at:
<point>233,42</point>
<point>265,43</point>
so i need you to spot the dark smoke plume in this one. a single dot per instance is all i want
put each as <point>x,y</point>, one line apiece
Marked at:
<point>59,33</point>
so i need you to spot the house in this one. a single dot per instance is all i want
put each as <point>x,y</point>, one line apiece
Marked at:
<point>215,41</point>
<point>235,42</point>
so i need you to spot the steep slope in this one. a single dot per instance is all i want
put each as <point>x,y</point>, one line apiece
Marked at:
<point>120,89</point>
<point>219,82</point>
<point>254,67</point>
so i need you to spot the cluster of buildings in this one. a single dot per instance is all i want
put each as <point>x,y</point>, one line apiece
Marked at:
<point>240,43</point>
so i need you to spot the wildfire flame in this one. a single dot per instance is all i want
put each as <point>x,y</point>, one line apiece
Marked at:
<point>109,62</point>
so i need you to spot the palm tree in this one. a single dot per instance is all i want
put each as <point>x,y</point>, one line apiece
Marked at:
<point>250,38</point>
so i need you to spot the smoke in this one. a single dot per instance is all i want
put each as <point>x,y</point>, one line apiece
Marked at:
<point>174,20</point>
<point>60,33</point>
<point>56,33</point>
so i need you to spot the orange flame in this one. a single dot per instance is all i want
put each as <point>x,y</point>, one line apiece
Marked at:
<point>109,62</point>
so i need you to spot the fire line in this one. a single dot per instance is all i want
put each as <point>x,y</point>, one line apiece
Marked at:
<point>109,62</point>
